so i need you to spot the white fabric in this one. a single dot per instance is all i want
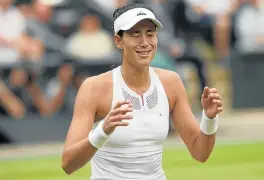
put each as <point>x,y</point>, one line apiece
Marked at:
<point>212,6</point>
<point>135,152</point>
<point>12,25</point>
<point>91,46</point>
<point>131,17</point>
<point>97,136</point>
<point>209,126</point>
<point>109,5</point>
<point>249,27</point>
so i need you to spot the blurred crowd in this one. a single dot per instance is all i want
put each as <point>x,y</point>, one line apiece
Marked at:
<point>48,47</point>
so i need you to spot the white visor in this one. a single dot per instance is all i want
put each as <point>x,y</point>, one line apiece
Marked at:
<point>131,17</point>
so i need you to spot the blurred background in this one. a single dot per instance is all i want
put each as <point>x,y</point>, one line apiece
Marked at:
<point>48,47</point>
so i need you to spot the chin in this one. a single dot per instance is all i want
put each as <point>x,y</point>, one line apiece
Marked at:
<point>144,62</point>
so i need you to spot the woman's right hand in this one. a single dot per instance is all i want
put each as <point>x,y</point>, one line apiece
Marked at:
<point>117,115</point>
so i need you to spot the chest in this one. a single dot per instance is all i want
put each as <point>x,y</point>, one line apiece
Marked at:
<point>150,123</point>
<point>146,128</point>
<point>107,98</point>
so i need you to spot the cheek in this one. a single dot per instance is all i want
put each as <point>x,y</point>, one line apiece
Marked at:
<point>154,41</point>
<point>129,47</point>
<point>129,52</point>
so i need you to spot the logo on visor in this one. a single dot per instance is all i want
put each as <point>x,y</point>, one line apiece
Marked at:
<point>141,13</point>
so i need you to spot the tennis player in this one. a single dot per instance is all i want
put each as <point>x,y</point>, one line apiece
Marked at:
<point>130,108</point>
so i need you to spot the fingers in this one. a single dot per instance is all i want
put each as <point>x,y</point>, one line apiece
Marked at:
<point>205,92</point>
<point>217,102</point>
<point>212,101</point>
<point>210,93</point>
<point>119,113</point>
<point>215,96</point>
<point>219,109</point>
<point>122,110</point>
<point>120,117</point>
<point>120,103</point>
<point>116,117</point>
<point>213,90</point>
<point>117,120</point>
<point>115,124</point>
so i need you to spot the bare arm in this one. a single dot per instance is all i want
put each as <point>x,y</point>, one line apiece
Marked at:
<point>233,7</point>
<point>78,150</point>
<point>48,107</point>
<point>199,144</point>
<point>44,106</point>
<point>12,104</point>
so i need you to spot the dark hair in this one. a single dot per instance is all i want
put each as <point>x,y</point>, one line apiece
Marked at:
<point>119,11</point>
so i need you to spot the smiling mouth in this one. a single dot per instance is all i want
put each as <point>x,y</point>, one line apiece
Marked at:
<point>144,53</point>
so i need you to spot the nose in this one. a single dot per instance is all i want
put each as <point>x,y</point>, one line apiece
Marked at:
<point>144,41</point>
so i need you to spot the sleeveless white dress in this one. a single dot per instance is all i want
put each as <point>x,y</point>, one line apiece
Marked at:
<point>135,151</point>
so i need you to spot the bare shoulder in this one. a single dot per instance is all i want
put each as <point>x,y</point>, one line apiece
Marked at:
<point>98,92</point>
<point>97,83</point>
<point>167,77</point>
<point>172,84</point>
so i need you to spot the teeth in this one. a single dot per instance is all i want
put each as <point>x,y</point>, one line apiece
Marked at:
<point>143,53</point>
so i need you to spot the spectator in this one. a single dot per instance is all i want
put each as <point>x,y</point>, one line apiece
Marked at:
<point>50,103</point>
<point>108,6</point>
<point>10,104</point>
<point>215,17</point>
<point>38,26</point>
<point>24,6</point>
<point>249,27</point>
<point>91,42</point>
<point>12,25</point>
<point>37,35</point>
<point>66,17</point>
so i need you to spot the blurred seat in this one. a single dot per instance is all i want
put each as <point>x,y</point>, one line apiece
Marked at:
<point>91,67</point>
<point>247,80</point>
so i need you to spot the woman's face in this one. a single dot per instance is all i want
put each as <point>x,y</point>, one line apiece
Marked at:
<point>139,44</point>
<point>44,12</point>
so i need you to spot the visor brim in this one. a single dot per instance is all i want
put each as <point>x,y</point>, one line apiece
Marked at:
<point>134,22</point>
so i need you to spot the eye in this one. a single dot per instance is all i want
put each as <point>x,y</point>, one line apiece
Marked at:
<point>135,34</point>
<point>150,33</point>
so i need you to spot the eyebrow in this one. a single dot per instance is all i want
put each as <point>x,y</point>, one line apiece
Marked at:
<point>148,30</point>
<point>151,30</point>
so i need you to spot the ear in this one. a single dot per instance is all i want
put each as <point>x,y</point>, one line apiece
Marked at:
<point>118,41</point>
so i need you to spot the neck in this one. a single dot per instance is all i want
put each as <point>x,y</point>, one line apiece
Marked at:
<point>137,79</point>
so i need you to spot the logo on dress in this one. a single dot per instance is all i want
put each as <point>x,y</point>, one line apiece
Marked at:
<point>141,13</point>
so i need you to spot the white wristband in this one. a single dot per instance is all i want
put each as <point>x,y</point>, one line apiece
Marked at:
<point>208,126</point>
<point>97,136</point>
